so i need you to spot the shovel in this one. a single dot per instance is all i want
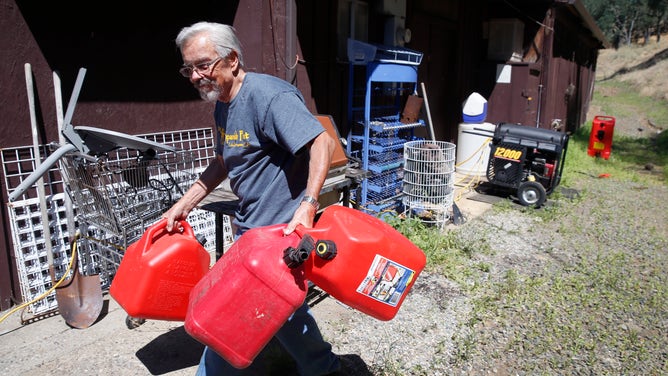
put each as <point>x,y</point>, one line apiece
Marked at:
<point>80,299</point>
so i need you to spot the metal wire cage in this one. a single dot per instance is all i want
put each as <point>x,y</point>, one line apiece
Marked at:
<point>428,180</point>
<point>120,192</point>
<point>99,250</point>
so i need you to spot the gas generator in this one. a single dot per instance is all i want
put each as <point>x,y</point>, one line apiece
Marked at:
<point>526,160</point>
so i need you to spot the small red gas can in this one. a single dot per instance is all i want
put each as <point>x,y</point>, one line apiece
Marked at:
<point>157,273</point>
<point>600,138</point>
<point>362,261</point>
<point>247,296</point>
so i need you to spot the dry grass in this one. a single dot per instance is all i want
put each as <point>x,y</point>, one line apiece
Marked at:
<point>632,86</point>
<point>644,67</point>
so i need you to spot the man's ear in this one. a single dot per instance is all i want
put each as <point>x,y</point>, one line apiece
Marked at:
<point>233,60</point>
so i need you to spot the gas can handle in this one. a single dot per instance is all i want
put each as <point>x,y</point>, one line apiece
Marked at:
<point>300,230</point>
<point>159,228</point>
<point>313,231</point>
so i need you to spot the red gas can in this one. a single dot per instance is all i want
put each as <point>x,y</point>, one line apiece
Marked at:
<point>157,273</point>
<point>600,138</point>
<point>362,261</point>
<point>247,296</point>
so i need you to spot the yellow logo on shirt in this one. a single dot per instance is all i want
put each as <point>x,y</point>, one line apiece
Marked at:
<point>237,139</point>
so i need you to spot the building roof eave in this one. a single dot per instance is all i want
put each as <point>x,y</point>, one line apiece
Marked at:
<point>588,21</point>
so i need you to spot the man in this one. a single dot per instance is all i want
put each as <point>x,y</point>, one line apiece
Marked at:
<point>276,156</point>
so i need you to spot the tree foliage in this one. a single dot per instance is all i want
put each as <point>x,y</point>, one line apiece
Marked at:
<point>626,21</point>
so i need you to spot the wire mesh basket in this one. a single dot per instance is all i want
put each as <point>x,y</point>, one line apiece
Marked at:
<point>119,193</point>
<point>98,249</point>
<point>428,180</point>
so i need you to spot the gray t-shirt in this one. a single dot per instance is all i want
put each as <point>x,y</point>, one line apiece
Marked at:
<point>261,134</point>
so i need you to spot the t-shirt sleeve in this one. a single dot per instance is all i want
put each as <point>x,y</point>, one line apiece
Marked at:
<point>289,123</point>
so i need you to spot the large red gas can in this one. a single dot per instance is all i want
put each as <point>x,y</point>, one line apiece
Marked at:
<point>600,138</point>
<point>362,261</point>
<point>247,296</point>
<point>157,273</point>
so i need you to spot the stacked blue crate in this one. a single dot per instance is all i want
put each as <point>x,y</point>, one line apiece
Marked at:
<point>377,135</point>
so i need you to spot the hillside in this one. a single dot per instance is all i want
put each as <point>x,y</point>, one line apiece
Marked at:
<point>646,67</point>
<point>642,69</point>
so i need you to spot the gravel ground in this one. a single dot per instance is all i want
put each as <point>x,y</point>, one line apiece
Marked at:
<point>425,337</point>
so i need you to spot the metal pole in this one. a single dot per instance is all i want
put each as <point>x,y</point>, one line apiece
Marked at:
<point>426,106</point>
<point>43,207</point>
<point>540,101</point>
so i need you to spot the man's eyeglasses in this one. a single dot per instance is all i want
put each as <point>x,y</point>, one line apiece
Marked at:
<point>201,68</point>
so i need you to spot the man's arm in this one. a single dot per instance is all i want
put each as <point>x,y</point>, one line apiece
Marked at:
<point>321,150</point>
<point>211,177</point>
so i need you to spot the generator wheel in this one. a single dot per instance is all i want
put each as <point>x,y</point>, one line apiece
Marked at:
<point>531,193</point>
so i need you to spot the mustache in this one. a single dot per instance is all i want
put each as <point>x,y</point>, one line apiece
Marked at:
<point>208,89</point>
<point>204,82</point>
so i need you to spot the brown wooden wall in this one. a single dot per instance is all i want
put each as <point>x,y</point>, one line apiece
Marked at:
<point>132,84</point>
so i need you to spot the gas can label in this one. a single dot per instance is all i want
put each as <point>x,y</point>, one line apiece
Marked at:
<point>386,281</point>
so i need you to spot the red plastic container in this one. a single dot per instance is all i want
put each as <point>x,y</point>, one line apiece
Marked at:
<point>374,265</point>
<point>157,273</point>
<point>549,170</point>
<point>600,138</point>
<point>247,296</point>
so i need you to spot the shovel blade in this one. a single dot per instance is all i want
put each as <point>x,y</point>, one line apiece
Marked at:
<point>80,300</point>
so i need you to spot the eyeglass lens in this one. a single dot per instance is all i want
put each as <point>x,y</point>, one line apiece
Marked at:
<point>187,70</point>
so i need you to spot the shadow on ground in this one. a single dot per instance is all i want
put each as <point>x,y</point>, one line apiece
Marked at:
<point>491,194</point>
<point>177,350</point>
<point>170,351</point>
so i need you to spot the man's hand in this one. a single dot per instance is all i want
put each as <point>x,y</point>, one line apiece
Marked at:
<point>176,213</point>
<point>304,216</point>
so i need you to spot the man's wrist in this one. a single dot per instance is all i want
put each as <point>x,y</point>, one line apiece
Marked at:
<point>312,201</point>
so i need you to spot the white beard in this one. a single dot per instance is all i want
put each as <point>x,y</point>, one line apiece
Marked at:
<point>208,90</point>
<point>210,96</point>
